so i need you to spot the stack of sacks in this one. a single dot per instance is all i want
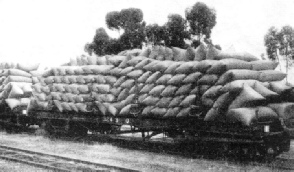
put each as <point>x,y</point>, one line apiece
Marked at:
<point>72,88</point>
<point>166,89</point>
<point>16,84</point>
<point>168,82</point>
<point>246,90</point>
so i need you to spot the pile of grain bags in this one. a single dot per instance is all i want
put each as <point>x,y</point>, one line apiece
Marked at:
<point>169,83</point>
<point>66,89</point>
<point>16,84</point>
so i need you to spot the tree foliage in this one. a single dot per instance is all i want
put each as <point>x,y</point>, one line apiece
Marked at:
<point>201,19</point>
<point>99,43</point>
<point>271,41</point>
<point>286,40</point>
<point>156,34</point>
<point>177,31</point>
<point>113,21</point>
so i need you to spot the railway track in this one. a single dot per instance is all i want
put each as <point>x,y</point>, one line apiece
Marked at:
<point>54,162</point>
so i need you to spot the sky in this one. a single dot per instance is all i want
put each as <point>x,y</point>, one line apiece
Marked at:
<point>53,31</point>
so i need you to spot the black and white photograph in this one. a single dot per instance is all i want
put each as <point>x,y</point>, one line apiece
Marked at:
<point>146,85</point>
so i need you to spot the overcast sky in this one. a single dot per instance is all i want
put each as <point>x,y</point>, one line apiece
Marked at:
<point>53,31</point>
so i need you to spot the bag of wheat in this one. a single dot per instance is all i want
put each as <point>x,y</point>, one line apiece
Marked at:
<point>164,79</point>
<point>123,94</point>
<point>284,110</point>
<point>126,70</point>
<point>202,89</point>
<point>164,102</point>
<point>17,79</point>
<point>155,91</point>
<point>247,95</point>
<point>207,101</point>
<point>236,64</point>
<point>246,116</point>
<point>111,109</point>
<point>151,79</point>
<point>57,104</point>
<point>177,79</point>
<point>265,114</point>
<point>129,83</point>
<point>160,66</point>
<point>102,108</point>
<point>15,92</point>
<point>168,54</point>
<point>115,71</point>
<point>142,97</point>
<point>103,97</point>
<point>101,69</point>
<point>124,64</point>
<point>147,111</point>
<point>237,86</point>
<point>12,103</point>
<point>279,87</point>
<point>145,52</point>
<point>100,79</point>
<point>172,112</point>
<point>101,88</point>
<point>213,91</point>
<point>200,53</point>
<point>238,74</point>
<point>158,112</point>
<point>188,101</point>
<point>185,68</point>
<point>82,107</point>
<point>271,75</point>
<point>114,60</point>
<point>190,53</point>
<point>215,54</point>
<point>184,89</point>
<point>262,90</point>
<point>125,110</point>
<point>147,88</point>
<point>176,101</point>
<point>115,91</point>
<point>143,63</point>
<point>179,54</point>
<point>171,69</point>
<point>184,112</point>
<point>135,60</point>
<point>264,65</point>
<point>192,78</point>
<point>28,67</point>
<point>120,81</point>
<point>109,79</point>
<point>169,91</point>
<point>208,79</point>
<point>135,74</point>
<point>223,101</point>
<point>17,72</point>
<point>150,101</point>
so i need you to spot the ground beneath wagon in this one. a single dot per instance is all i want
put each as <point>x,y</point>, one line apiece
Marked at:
<point>112,155</point>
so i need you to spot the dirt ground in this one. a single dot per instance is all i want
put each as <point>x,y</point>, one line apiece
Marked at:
<point>6,166</point>
<point>112,155</point>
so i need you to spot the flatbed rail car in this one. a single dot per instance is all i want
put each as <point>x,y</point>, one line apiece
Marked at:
<point>263,138</point>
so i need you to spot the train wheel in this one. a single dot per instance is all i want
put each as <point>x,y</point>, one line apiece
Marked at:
<point>267,153</point>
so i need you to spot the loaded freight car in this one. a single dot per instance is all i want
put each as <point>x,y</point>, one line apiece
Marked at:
<point>199,95</point>
<point>16,89</point>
